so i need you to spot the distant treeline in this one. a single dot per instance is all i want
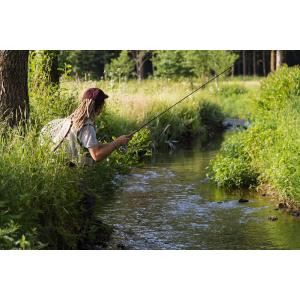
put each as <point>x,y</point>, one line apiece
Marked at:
<point>141,63</point>
<point>262,62</point>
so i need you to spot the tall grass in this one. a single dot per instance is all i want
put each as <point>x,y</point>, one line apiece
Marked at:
<point>41,203</point>
<point>267,154</point>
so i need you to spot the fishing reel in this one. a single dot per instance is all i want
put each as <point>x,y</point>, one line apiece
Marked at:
<point>123,149</point>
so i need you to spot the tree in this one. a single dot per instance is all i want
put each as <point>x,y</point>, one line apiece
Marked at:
<point>272,61</point>
<point>84,62</point>
<point>264,63</point>
<point>120,67</point>
<point>244,64</point>
<point>43,68</point>
<point>14,100</point>
<point>54,70</point>
<point>170,64</point>
<point>279,58</point>
<point>140,57</point>
<point>254,62</point>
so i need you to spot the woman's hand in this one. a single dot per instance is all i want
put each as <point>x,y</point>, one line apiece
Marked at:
<point>101,151</point>
<point>123,140</point>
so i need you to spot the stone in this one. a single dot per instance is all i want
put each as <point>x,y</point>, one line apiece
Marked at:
<point>121,246</point>
<point>243,200</point>
<point>273,218</point>
<point>282,205</point>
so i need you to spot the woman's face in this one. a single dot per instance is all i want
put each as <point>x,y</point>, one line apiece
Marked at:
<point>100,109</point>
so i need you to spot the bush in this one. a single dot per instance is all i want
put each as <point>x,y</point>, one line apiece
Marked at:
<point>281,89</point>
<point>232,168</point>
<point>170,64</point>
<point>120,68</point>
<point>269,150</point>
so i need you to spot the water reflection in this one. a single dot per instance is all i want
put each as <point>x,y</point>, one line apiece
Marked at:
<point>170,204</point>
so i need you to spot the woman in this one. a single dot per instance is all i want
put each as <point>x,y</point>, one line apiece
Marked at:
<point>78,134</point>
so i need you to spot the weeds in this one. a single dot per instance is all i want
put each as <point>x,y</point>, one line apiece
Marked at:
<point>41,197</point>
<point>268,152</point>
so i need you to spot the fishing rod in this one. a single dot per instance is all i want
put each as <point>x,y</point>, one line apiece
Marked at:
<point>194,91</point>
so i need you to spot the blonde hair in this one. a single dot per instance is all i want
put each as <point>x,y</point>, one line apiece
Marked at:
<point>89,107</point>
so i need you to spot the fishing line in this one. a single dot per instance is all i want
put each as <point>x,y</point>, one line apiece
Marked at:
<point>194,91</point>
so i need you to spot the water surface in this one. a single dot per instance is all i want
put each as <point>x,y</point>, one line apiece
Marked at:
<point>170,204</point>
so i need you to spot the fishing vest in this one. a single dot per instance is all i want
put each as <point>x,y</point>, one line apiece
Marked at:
<point>64,137</point>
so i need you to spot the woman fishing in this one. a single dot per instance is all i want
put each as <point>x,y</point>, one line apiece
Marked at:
<point>78,130</point>
<point>76,134</point>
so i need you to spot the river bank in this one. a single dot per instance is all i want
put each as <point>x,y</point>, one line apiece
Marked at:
<point>41,196</point>
<point>169,203</point>
<point>266,156</point>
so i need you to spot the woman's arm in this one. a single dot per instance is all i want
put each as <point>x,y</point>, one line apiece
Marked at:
<point>101,151</point>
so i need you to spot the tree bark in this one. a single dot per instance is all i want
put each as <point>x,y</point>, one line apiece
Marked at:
<point>279,58</point>
<point>54,72</point>
<point>244,63</point>
<point>264,62</point>
<point>14,99</point>
<point>272,62</point>
<point>140,57</point>
<point>254,63</point>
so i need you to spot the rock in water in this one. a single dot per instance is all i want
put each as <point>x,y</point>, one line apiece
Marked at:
<point>273,218</point>
<point>243,200</point>
<point>282,205</point>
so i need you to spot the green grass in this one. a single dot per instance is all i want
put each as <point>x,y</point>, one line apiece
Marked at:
<point>268,152</point>
<point>41,197</point>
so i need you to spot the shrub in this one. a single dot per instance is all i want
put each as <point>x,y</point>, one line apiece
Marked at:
<point>280,89</point>
<point>120,68</point>
<point>269,150</point>
<point>232,168</point>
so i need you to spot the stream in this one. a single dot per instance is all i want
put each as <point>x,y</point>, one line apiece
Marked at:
<point>170,204</point>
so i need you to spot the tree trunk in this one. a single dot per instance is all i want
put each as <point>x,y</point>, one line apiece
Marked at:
<point>244,63</point>
<point>54,73</point>
<point>264,62</point>
<point>140,57</point>
<point>14,100</point>
<point>272,62</point>
<point>279,58</point>
<point>254,63</point>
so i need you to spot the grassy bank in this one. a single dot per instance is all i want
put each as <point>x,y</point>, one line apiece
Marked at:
<point>44,202</point>
<point>267,154</point>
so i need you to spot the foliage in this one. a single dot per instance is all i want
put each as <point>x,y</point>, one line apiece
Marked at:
<point>41,63</point>
<point>192,63</point>
<point>270,147</point>
<point>121,67</point>
<point>43,196</point>
<point>84,62</point>
<point>11,238</point>
<point>232,167</point>
<point>281,89</point>
<point>170,64</point>
<point>47,101</point>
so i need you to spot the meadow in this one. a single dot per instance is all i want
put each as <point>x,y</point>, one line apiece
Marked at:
<point>44,203</point>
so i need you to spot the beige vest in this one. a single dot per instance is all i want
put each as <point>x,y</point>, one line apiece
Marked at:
<point>65,137</point>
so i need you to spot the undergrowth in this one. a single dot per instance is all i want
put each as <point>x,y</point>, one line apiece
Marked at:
<point>41,204</point>
<point>268,152</point>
